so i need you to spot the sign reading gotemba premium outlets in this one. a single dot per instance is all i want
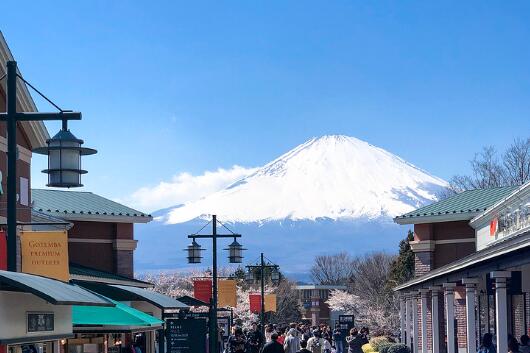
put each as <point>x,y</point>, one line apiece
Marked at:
<point>45,254</point>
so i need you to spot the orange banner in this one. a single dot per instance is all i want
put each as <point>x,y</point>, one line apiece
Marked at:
<point>270,302</point>
<point>45,254</point>
<point>227,293</point>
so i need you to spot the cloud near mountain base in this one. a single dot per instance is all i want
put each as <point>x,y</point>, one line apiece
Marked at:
<point>185,187</point>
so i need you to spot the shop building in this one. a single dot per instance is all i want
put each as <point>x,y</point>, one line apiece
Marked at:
<point>312,299</point>
<point>101,246</point>
<point>472,262</point>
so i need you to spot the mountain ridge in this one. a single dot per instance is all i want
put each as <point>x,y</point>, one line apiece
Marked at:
<point>311,163</point>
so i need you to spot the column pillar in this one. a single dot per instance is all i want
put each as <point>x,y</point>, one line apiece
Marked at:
<point>423,295</point>
<point>402,318</point>
<point>501,309</point>
<point>408,321</point>
<point>471,293</point>
<point>450,315</point>
<point>435,291</point>
<point>415,338</point>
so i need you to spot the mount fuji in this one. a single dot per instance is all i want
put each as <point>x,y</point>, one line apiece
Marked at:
<point>330,194</point>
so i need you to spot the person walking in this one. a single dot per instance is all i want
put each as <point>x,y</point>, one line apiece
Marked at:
<point>316,343</point>
<point>292,342</point>
<point>354,341</point>
<point>338,340</point>
<point>273,346</point>
<point>237,342</point>
<point>486,345</point>
<point>255,339</point>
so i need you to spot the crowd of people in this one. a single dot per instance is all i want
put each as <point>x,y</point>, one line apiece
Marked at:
<point>514,346</point>
<point>296,338</point>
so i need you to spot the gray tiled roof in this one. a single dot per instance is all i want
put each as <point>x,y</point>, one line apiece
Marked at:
<point>67,204</point>
<point>469,202</point>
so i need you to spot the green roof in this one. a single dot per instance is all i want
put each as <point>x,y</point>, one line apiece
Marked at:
<point>82,205</point>
<point>464,205</point>
<point>120,315</point>
<point>53,291</point>
<point>84,273</point>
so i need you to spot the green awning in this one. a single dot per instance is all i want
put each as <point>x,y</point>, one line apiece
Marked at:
<point>121,317</point>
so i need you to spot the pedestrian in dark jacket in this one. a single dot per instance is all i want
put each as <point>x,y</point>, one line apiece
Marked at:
<point>354,341</point>
<point>255,339</point>
<point>273,346</point>
<point>237,342</point>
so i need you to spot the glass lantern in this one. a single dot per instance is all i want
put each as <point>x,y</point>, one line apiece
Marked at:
<point>194,253</point>
<point>64,159</point>
<point>235,252</point>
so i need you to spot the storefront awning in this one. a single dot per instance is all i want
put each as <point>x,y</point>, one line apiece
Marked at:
<point>53,291</point>
<point>130,293</point>
<point>120,318</point>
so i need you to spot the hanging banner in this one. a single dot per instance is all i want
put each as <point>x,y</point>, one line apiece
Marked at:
<point>227,293</point>
<point>270,302</point>
<point>255,303</point>
<point>45,254</point>
<point>3,251</point>
<point>202,289</point>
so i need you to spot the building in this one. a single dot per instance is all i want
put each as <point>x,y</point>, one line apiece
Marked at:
<point>90,304</point>
<point>472,261</point>
<point>312,299</point>
<point>101,247</point>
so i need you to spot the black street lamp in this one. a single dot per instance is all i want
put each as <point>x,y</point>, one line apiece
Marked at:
<point>194,257</point>
<point>252,276</point>
<point>63,150</point>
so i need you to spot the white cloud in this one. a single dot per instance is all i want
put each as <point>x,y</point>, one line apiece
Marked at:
<point>185,187</point>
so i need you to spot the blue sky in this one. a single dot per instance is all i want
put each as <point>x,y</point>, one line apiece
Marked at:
<point>171,87</point>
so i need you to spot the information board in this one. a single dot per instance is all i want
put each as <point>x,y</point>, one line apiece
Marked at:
<point>186,335</point>
<point>346,323</point>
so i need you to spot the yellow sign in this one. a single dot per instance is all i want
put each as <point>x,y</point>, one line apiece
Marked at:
<point>227,293</point>
<point>270,302</point>
<point>45,254</point>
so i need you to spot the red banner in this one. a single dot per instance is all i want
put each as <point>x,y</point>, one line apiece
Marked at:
<point>3,252</point>
<point>202,289</point>
<point>255,303</point>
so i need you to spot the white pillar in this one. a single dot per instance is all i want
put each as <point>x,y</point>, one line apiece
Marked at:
<point>435,291</point>
<point>415,330</point>
<point>450,315</point>
<point>423,294</point>
<point>408,321</point>
<point>471,293</point>
<point>402,318</point>
<point>501,309</point>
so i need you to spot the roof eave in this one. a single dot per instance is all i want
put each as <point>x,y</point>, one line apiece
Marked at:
<point>104,218</point>
<point>451,217</point>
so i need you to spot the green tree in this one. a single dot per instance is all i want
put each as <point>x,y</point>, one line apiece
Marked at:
<point>403,266</point>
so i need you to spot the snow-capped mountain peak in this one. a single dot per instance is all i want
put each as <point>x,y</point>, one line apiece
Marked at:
<point>333,176</point>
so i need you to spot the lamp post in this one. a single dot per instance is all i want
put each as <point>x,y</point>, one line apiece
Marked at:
<point>235,251</point>
<point>64,154</point>
<point>275,277</point>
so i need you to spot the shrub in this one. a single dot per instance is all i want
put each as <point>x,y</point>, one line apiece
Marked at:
<point>367,348</point>
<point>383,348</point>
<point>377,342</point>
<point>398,348</point>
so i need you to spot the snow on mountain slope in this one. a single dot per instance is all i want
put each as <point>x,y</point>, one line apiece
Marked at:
<point>334,177</point>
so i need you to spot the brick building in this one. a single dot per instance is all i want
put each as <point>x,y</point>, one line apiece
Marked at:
<point>101,235</point>
<point>312,299</point>
<point>472,263</point>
